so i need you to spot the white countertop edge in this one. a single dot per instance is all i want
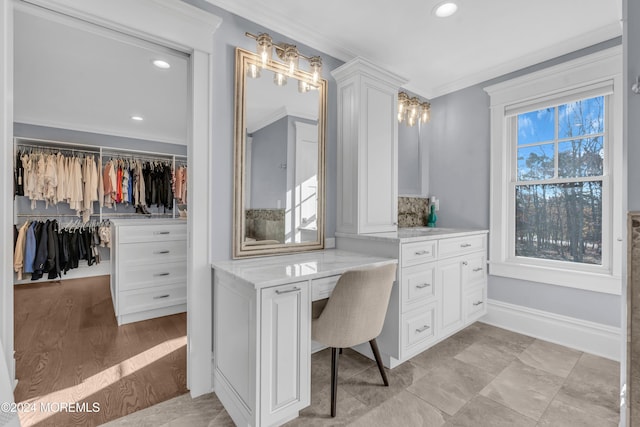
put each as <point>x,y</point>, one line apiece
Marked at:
<point>422,235</point>
<point>364,261</point>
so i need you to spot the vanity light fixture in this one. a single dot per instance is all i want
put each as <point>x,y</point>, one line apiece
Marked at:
<point>137,118</point>
<point>411,110</point>
<point>159,63</point>
<point>288,53</point>
<point>279,79</point>
<point>253,71</point>
<point>445,9</point>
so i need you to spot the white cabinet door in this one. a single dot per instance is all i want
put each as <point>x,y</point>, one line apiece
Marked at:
<point>450,283</point>
<point>285,352</point>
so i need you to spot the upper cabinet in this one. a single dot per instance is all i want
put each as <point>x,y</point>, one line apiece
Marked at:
<point>367,196</point>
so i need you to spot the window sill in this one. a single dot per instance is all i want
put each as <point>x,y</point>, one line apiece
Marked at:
<point>589,281</point>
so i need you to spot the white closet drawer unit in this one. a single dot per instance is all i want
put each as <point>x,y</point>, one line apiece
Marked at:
<point>153,252</point>
<point>418,253</point>
<point>152,233</point>
<point>136,276</point>
<point>462,245</point>
<point>149,268</point>
<point>149,299</point>
<point>475,303</point>
<point>322,288</point>
<point>418,284</point>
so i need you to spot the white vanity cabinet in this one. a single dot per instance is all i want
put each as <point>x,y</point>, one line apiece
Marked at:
<point>262,330</point>
<point>284,350</point>
<point>367,174</point>
<point>443,285</point>
<point>148,268</point>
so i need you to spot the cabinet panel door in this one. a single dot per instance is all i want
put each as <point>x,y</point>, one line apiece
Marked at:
<point>285,346</point>
<point>450,282</point>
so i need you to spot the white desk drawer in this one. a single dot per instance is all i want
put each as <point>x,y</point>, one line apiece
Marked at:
<point>418,283</point>
<point>323,287</point>
<point>136,276</point>
<point>152,233</point>
<point>153,252</point>
<point>418,326</point>
<point>462,245</point>
<point>148,299</point>
<point>418,253</point>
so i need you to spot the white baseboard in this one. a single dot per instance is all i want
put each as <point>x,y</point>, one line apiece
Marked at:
<point>595,338</point>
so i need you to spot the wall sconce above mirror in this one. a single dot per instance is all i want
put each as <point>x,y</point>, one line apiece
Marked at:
<point>411,110</point>
<point>280,116</point>
<point>286,52</point>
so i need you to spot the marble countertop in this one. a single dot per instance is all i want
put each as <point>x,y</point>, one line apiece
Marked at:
<point>277,270</point>
<point>415,234</point>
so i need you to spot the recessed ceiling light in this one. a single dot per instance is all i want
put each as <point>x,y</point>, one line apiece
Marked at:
<point>445,9</point>
<point>137,118</point>
<point>161,64</point>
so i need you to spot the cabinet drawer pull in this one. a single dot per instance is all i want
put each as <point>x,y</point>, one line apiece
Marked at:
<point>465,245</point>
<point>424,328</point>
<point>161,232</point>
<point>477,303</point>
<point>465,263</point>
<point>422,252</point>
<point>279,292</point>
<point>161,296</point>
<point>477,269</point>
<point>161,274</point>
<point>161,252</point>
<point>424,285</point>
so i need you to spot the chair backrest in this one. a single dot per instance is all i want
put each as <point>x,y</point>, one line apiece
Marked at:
<point>357,307</point>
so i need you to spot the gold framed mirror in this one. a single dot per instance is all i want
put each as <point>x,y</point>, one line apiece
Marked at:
<point>279,194</point>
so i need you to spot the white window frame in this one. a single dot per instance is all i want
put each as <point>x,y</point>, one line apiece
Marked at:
<point>591,75</point>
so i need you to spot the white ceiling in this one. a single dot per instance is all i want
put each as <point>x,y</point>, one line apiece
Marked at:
<point>485,39</point>
<point>73,75</point>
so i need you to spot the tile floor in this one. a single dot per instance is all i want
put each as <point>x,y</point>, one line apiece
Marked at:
<point>482,376</point>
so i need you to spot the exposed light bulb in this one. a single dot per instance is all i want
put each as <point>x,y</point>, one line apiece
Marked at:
<point>280,79</point>
<point>253,71</point>
<point>137,118</point>
<point>265,44</point>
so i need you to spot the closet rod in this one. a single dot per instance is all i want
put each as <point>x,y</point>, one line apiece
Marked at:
<point>107,157</point>
<point>110,215</point>
<point>52,215</point>
<point>45,142</point>
<point>41,147</point>
<point>107,150</point>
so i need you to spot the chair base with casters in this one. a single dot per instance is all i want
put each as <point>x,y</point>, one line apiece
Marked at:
<point>354,314</point>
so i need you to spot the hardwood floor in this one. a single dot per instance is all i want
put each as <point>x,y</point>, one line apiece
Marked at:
<point>75,366</point>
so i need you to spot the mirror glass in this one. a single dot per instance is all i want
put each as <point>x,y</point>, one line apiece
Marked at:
<point>279,167</point>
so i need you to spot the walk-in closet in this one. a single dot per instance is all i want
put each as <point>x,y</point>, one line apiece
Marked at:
<point>100,219</point>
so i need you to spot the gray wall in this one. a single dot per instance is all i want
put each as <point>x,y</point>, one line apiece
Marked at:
<point>268,153</point>
<point>459,146</point>
<point>229,36</point>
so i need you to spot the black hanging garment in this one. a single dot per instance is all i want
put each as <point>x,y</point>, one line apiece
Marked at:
<point>53,258</point>
<point>42,247</point>
<point>18,176</point>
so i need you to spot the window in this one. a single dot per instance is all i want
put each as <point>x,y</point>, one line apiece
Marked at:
<point>556,175</point>
<point>559,181</point>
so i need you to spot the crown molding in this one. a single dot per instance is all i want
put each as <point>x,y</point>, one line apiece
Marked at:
<point>596,36</point>
<point>275,22</point>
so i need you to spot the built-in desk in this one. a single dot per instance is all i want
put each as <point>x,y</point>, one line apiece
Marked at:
<point>262,330</point>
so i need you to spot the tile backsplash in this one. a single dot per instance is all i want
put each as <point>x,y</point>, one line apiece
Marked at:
<point>412,211</point>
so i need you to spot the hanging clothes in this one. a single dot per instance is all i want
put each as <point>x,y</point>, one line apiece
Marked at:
<point>19,176</point>
<point>19,251</point>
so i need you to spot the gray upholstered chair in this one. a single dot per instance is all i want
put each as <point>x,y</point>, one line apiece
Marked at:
<point>354,314</point>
